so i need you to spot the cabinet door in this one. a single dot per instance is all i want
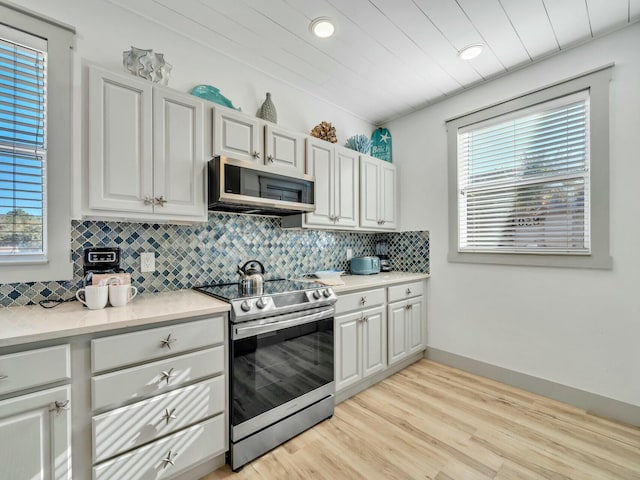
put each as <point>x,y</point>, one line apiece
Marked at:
<point>120,143</point>
<point>346,187</point>
<point>374,341</point>
<point>397,332</point>
<point>369,195</point>
<point>178,148</point>
<point>35,439</point>
<point>236,135</point>
<point>320,164</point>
<point>348,354</point>
<point>388,196</point>
<point>284,149</point>
<point>415,325</point>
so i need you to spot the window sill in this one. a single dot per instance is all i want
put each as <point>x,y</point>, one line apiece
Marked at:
<point>602,262</point>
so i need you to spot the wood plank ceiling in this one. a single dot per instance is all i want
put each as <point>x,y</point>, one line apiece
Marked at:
<point>387,57</point>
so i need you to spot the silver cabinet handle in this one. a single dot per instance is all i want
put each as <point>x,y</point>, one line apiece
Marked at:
<point>169,415</point>
<point>167,342</point>
<point>60,406</point>
<point>363,300</point>
<point>4,377</point>
<point>269,158</point>
<point>408,307</point>
<point>256,154</point>
<point>168,460</point>
<point>167,375</point>
<point>160,200</point>
<point>149,200</point>
<point>408,291</point>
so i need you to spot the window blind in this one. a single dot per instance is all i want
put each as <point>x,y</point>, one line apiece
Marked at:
<point>523,180</point>
<point>22,143</point>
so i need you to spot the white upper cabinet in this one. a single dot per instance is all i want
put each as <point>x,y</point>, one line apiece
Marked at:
<point>377,194</point>
<point>284,149</point>
<point>247,138</point>
<point>237,135</point>
<point>336,184</point>
<point>146,151</point>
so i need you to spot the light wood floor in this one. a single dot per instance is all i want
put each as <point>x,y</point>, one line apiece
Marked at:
<point>431,421</point>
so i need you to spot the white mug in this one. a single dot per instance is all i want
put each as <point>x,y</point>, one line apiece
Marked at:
<point>95,296</point>
<point>120,295</point>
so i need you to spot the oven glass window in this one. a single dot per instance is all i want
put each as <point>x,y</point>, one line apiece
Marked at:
<point>271,369</point>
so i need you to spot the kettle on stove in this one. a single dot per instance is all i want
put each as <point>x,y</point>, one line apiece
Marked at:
<point>251,277</point>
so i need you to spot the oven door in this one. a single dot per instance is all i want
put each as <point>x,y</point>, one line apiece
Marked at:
<point>279,366</point>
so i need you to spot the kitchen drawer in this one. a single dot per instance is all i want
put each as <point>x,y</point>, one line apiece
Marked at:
<point>142,381</point>
<point>406,290</point>
<point>33,368</point>
<point>129,348</point>
<point>128,427</point>
<point>357,301</point>
<point>167,457</point>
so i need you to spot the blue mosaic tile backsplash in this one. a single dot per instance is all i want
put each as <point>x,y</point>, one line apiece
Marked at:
<point>191,255</point>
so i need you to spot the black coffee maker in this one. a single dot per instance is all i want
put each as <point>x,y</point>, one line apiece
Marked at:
<point>99,260</point>
<point>382,252</point>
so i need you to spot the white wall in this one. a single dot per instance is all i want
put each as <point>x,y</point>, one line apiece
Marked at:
<point>580,328</point>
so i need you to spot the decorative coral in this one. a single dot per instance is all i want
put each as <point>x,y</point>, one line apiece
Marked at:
<point>325,131</point>
<point>359,143</point>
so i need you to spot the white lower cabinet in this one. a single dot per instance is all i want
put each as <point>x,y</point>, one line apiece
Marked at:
<point>168,457</point>
<point>35,428</point>
<point>360,336</point>
<point>406,328</point>
<point>167,412</point>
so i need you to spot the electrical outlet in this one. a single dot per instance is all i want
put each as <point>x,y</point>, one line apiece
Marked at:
<point>349,253</point>
<point>147,262</point>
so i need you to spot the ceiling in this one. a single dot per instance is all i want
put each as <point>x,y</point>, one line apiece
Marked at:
<point>387,57</point>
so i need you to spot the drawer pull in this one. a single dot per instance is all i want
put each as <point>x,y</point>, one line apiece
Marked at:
<point>363,318</point>
<point>4,377</point>
<point>166,342</point>
<point>408,291</point>
<point>167,375</point>
<point>59,406</point>
<point>363,300</point>
<point>169,415</point>
<point>168,460</point>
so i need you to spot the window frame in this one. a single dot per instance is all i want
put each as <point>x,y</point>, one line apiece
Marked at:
<point>597,82</point>
<point>57,264</point>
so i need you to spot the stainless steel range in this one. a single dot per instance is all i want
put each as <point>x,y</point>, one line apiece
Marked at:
<point>281,363</point>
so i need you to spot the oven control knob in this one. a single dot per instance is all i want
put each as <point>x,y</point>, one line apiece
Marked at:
<point>245,306</point>
<point>326,292</point>
<point>261,303</point>
<point>317,294</point>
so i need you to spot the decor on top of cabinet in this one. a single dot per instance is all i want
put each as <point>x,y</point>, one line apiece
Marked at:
<point>325,131</point>
<point>147,64</point>
<point>381,144</point>
<point>268,110</point>
<point>359,143</point>
<point>211,93</point>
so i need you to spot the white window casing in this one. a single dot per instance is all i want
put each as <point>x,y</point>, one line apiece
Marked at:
<point>41,147</point>
<point>529,178</point>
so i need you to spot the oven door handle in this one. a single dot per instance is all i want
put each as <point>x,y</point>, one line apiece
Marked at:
<point>290,320</point>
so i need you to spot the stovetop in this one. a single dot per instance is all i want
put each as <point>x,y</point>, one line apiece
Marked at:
<point>278,297</point>
<point>233,291</point>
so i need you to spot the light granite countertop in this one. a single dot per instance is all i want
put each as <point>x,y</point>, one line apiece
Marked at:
<point>19,325</point>
<point>383,279</point>
<point>33,323</point>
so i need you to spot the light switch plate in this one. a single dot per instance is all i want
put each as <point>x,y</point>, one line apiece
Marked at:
<point>147,262</point>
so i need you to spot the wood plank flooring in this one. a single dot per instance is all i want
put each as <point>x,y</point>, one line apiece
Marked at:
<point>431,421</point>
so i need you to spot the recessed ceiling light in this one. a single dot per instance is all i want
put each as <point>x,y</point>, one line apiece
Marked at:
<point>322,27</point>
<point>471,51</point>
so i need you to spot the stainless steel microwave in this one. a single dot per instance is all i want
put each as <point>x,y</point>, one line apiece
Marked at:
<point>244,187</point>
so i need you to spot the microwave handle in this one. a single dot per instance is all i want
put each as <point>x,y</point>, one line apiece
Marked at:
<point>252,330</point>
